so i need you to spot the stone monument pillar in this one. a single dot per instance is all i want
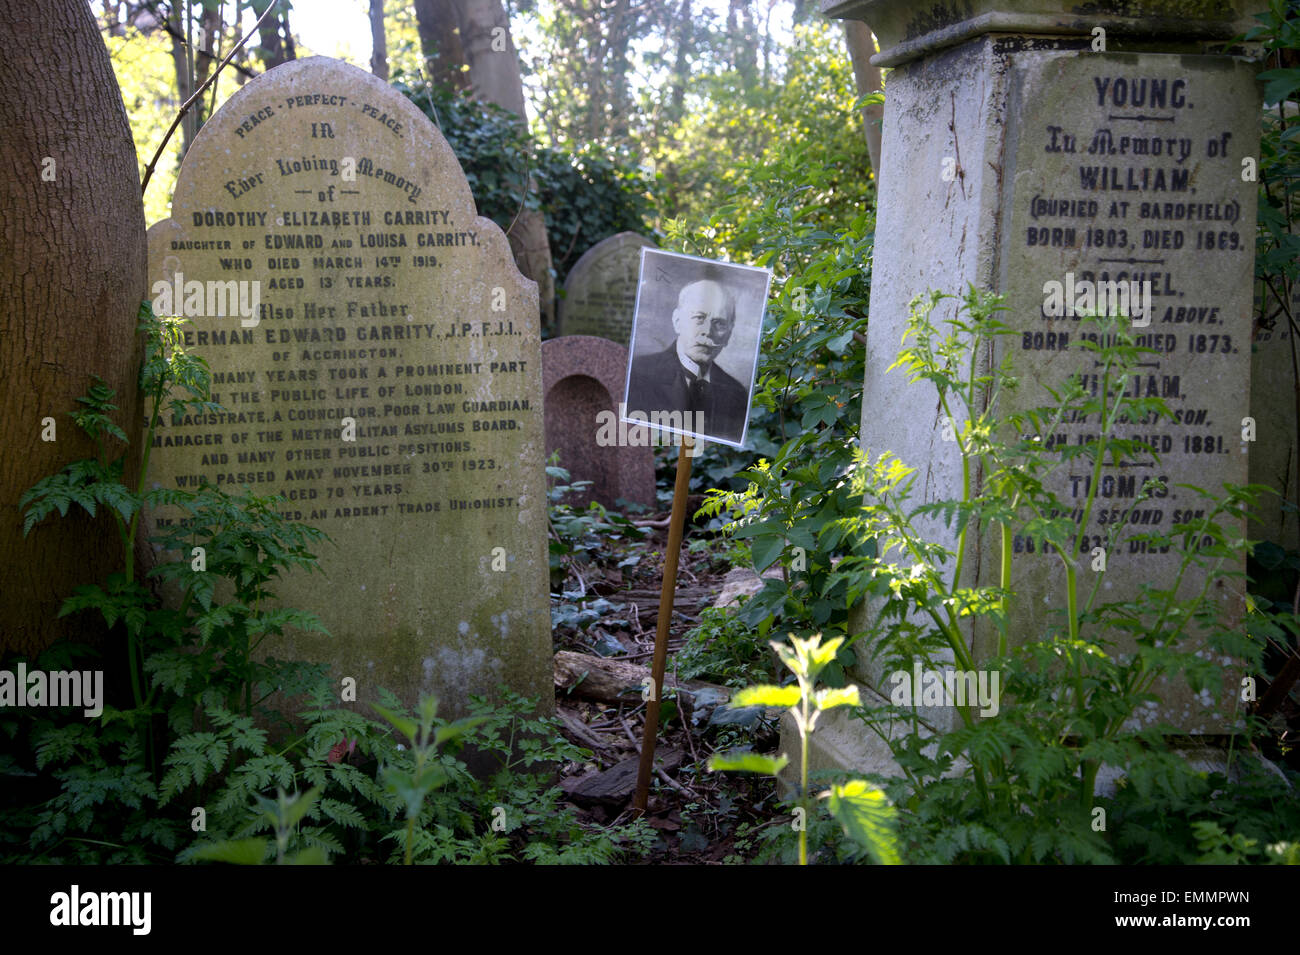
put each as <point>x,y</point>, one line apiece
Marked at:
<point>1027,139</point>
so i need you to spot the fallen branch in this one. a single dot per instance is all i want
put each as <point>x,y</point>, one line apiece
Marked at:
<point>612,681</point>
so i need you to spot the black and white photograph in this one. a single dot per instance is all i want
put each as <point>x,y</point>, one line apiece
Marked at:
<point>695,337</point>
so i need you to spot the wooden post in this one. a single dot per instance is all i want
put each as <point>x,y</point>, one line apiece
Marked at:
<point>676,525</point>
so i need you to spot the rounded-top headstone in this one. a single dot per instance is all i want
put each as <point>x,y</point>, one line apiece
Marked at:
<point>582,379</point>
<point>600,290</point>
<point>378,356</point>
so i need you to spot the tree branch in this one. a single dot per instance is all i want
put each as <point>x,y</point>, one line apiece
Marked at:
<point>148,173</point>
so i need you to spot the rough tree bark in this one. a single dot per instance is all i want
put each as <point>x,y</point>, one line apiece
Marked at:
<point>444,58</point>
<point>862,47</point>
<point>72,276</point>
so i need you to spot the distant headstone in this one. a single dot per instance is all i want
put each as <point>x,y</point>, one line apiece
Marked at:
<point>384,375</point>
<point>600,291</point>
<point>582,378</point>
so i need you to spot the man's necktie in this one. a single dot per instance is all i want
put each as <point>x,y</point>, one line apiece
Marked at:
<point>697,394</point>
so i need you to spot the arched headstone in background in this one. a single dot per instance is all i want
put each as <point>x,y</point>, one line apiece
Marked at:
<point>600,290</point>
<point>582,376</point>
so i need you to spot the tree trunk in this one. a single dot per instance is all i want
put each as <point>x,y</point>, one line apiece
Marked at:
<point>494,77</point>
<point>184,81</point>
<point>857,36</point>
<point>681,68</point>
<point>275,49</point>
<point>378,41</point>
<point>467,43</point>
<point>205,60</point>
<point>290,51</point>
<point>622,23</point>
<point>490,54</point>
<point>72,276</point>
<point>112,18</point>
<point>444,57</point>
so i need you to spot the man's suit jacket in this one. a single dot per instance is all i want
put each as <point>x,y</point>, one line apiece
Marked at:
<point>659,382</point>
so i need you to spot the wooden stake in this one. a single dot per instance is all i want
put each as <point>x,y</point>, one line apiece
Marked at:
<point>676,525</point>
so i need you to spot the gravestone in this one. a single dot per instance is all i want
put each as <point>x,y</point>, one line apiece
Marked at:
<point>1014,155</point>
<point>387,383</point>
<point>582,380</point>
<point>600,290</point>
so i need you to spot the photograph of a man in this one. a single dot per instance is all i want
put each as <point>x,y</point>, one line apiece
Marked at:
<point>714,315</point>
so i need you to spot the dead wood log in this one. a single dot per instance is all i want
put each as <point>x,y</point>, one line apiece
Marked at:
<point>615,784</point>
<point>612,681</point>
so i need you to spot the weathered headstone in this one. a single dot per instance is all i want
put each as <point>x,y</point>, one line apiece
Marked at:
<point>1013,155</point>
<point>388,381</point>
<point>582,380</point>
<point>600,290</point>
<point>1148,188</point>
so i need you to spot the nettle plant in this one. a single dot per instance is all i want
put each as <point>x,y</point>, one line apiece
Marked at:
<point>389,790</point>
<point>862,810</point>
<point>1019,785</point>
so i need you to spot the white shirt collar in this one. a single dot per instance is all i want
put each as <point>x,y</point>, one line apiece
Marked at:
<point>691,366</point>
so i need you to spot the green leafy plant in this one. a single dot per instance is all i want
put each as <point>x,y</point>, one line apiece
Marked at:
<point>1021,784</point>
<point>585,545</point>
<point>240,541</point>
<point>519,789</point>
<point>413,782</point>
<point>1274,564</point>
<point>283,814</point>
<point>182,657</point>
<point>726,649</point>
<point>864,812</point>
<point>586,194</point>
<point>785,507</point>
